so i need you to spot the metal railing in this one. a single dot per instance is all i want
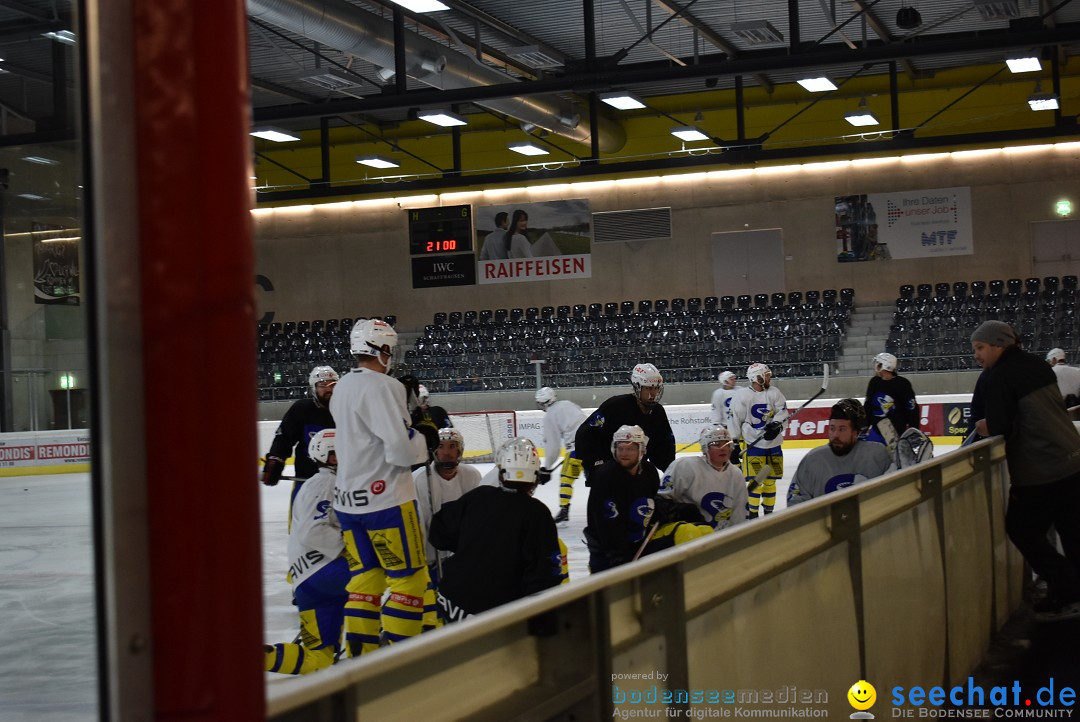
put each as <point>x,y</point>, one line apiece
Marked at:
<point>901,580</point>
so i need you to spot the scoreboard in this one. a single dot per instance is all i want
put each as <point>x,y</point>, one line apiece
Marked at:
<point>447,229</point>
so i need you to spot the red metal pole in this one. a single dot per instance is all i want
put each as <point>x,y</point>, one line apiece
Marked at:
<point>197,266</point>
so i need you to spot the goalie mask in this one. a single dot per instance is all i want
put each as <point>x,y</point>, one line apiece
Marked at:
<point>452,435</point>
<point>718,437</point>
<point>370,336</point>
<point>885,362</point>
<point>518,462</point>
<point>759,374</point>
<point>647,376</point>
<point>321,446</point>
<point>545,397</point>
<point>321,374</point>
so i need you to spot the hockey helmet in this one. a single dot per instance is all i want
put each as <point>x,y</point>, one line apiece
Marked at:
<point>647,376</point>
<point>630,435</point>
<point>886,361</point>
<point>851,410</point>
<point>545,397</point>
<point>320,374</point>
<point>725,376</point>
<point>710,435</point>
<point>451,434</point>
<point>757,373</point>
<point>1055,355</point>
<point>321,446</point>
<point>422,394</point>
<point>370,336</point>
<point>518,461</point>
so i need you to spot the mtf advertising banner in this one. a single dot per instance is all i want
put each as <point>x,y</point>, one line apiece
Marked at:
<point>912,224</point>
<point>544,241</point>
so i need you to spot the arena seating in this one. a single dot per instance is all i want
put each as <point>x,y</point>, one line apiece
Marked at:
<point>689,339</point>
<point>933,332</point>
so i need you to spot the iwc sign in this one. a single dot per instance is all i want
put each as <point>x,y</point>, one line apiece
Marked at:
<point>452,270</point>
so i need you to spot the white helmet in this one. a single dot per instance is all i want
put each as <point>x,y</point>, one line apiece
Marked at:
<point>632,435</point>
<point>422,394</point>
<point>647,376</point>
<point>1055,355</point>
<point>545,397</point>
<point>321,373</point>
<point>368,338</point>
<point>725,376</point>
<point>886,361</point>
<point>321,446</point>
<point>518,461</point>
<point>451,434</point>
<point>713,435</point>
<point>756,373</point>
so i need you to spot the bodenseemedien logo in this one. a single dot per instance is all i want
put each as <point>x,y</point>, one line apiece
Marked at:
<point>862,696</point>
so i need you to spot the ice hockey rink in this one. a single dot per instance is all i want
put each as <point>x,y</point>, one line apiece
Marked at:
<point>49,667</point>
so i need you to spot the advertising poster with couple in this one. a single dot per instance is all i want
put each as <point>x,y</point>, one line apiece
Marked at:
<point>543,241</point>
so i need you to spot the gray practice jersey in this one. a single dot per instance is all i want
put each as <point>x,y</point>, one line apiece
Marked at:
<point>720,496</point>
<point>821,471</point>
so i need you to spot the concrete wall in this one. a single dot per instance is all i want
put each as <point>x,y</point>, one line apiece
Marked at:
<point>351,259</point>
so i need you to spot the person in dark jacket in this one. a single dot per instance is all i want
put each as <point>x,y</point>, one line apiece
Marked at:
<point>1042,450</point>
<point>505,543</point>
<point>641,408</point>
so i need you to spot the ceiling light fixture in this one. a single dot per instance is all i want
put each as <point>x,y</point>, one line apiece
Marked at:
<point>621,100</point>
<point>757,32</point>
<point>422,6</point>
<point>688,133</point>
<point>1044,101</point>
<point>527,148</point>
<point>443,118</point>
<point>278,135</point>
<point>61,36</point>
<point>331,79</point>
<point>908,18</point>
<point>33,197</point>
<point>534,57</point>
<point>40,160</point>
<point>820,84</point>
<point>376,161</point>
<point>862,116</point>
<point>1024,64</point>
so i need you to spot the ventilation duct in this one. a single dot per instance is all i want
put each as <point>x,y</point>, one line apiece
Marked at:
<point>347,28</point>
<point>649,224</point>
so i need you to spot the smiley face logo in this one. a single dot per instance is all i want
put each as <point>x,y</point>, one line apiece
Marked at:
<point>862,695</point>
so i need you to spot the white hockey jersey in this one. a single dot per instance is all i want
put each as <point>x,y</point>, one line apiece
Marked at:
<point>721,404</point>
<point>751,410</point>
<point>375,444</point>
<point>720,496</point>
<point>442,491</point>
<point>315,539</point>
<point>561,422</point>
<point>1068,378</point>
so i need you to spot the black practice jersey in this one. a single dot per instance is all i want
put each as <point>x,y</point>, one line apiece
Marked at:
<point>893,399</point>
<point>593,441</point>
<point>303,420</point>
<point>620,507</point>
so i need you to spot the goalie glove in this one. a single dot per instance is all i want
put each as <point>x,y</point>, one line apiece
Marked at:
<point>543,476</point>
<point>271,473</point>
<point>772,430</point>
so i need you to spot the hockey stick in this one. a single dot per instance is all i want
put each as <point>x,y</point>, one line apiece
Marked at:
<point>431,505</point>
<point>824,386</point>
<point>759,480</point>
<point>648,538</point>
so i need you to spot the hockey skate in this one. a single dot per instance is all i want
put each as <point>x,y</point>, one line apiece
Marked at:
<point>563,517</point>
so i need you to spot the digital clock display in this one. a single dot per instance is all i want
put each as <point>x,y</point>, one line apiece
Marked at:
<point>447,229</point>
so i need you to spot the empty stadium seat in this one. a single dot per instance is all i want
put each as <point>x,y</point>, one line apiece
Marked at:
<point>960,289</point>
<point>924,290</point>
<point>626,308</point>
<point>1032,284</point>
<point>978,288</point>
<point>644,306</point>
<point>693,304</point>
<point>829,295</point>
<point>1051,283</point>
<point>391,319</point>
<point>661,305</point>
<point>907,291</point>
<point>743,301</point>
<point>727,302</point>
<point>595,310</point>
<point>1066,282</point>
<point>678,304</point>
<point>712,303</point>
<point>1014,285</point>
<point>611,309</point>
<point>813,296</point>
<point>794,298</point>
<point>454,319</point>
<point>942,290</point>
<point>563,312</point>
<point>469,318</point>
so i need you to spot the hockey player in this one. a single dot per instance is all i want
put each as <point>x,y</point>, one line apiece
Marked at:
<point>317,567</point>
<point>641,408</point>
<point>504,542</point>
<point>625,517</point>
<point>429,419</point>
<point>889,399</point>
<point>710,482</point>
<point>375,498</point>
<point>1068,377</point>
<point>561,422</point>
<point>758,414</point>
<point>298,426</point>
<point>845,461</point>
<point>721,408</point>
